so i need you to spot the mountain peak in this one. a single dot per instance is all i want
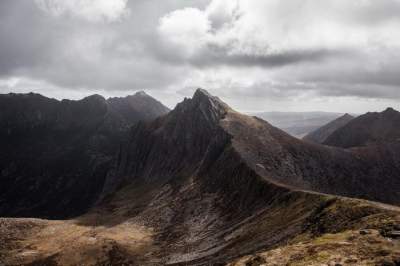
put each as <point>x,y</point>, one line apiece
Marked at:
<point>390,110</point>
<point>201,93</point>
<point>204,105</point>
<point>347,115</point>
<point>322,133</point>
<point>94,97</point>
<point>203,96</point>
<point>141,93</point>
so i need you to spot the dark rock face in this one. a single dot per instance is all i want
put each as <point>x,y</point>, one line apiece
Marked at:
<point>174,145</point>
<point>215,184</point>
<point>55,155</point>
<point>321,134</point>
<point>371,128</point>
<point>366,172</point>
<point>201,132</point>
<point>137,107</point>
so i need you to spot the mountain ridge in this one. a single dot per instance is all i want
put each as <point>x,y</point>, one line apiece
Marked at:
<point>368,129</point>
<point>67,144</point>
<point>221,178</point>
<point>322,133</point>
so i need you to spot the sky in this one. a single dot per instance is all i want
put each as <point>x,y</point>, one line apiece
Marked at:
<point>256,55</point>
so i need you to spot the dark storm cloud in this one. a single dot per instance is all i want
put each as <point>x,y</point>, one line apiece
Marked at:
<point>217,56</point>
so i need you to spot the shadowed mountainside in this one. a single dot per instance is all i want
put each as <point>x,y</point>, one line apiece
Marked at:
<point>205,185</point>
<point>55,155</point>
<point>322,133</point>
<point>368,129</point>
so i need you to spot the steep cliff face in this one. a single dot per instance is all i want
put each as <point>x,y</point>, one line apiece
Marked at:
<point>322,133</point>
<point>214,184</point>
<point>368,129</point>
<point>201,129</point>
<point>203,173</point>
<point>55,154</point>
<point>174,144</point>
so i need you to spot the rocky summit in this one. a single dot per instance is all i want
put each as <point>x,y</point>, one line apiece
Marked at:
<point>206,185</point>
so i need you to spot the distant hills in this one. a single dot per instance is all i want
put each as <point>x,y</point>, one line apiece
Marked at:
<point>367,129</point>
<point>298,124</point>
<point>322,133</point>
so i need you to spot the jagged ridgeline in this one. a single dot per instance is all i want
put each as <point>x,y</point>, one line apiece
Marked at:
<point>55,155</point>
<point>174,146</point>
<point>206,185</point>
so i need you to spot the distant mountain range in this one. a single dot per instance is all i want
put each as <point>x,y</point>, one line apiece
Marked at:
<point>298,124</point>
<point>368,129</point>
<point>199,185</point>
<point>322,133</point>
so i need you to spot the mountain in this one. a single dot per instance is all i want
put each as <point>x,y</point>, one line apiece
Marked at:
<point>205,185</point>
<point>322,133</point>
<point>368,129</point>
<point>55,155</point>
<point>140,106</point>
<point>298,124</point>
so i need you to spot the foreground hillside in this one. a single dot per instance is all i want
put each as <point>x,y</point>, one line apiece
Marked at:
<point>205,185</point>
<point>294,229</point>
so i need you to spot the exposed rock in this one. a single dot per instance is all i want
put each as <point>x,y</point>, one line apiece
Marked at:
<point>394,234</point>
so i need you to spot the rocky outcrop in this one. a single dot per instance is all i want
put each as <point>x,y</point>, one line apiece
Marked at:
<point>322,133</point>
<point>368,129</point>
<point>55,155</point>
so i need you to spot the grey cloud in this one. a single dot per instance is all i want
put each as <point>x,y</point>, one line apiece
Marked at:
<point>384,76</point>
<point>130,55</point>
<point>38,45</point>
<point>215,55</point>
<point>282,90</point>
<point>218,55</point>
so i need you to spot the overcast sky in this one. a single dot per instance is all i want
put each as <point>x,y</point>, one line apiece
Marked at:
<point>285,55</point>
